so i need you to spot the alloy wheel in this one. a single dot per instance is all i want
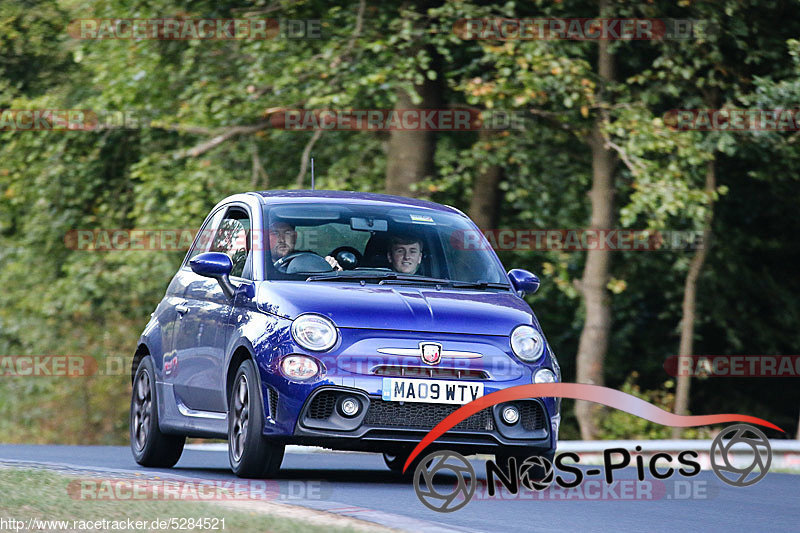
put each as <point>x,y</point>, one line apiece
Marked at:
<point>241,417</point>
<point>142,410</point>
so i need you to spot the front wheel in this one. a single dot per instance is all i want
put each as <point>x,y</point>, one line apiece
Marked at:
<point>251,454</point>
<point>149,445</point>
<point>394,462</point>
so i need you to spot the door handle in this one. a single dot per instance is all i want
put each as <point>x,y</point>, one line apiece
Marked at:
<point>181,309</point>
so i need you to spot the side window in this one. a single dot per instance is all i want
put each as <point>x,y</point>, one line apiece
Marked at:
<point>203,239</point>
<point>233,239</point>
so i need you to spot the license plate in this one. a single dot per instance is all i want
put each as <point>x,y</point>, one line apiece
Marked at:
<point>431,390</point>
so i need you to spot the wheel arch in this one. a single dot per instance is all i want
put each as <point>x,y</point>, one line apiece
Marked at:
<point>241,353</point>
<point>142,351</point>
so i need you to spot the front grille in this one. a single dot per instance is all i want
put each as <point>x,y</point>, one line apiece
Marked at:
<point>532,416</point>
<point>413,415</point>
<point>428,372</point>
<point>322,405</point>
<point>273,403</point>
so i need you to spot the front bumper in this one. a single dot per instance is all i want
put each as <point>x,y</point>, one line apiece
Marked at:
<point>394,426</point>
<point>358,367</point>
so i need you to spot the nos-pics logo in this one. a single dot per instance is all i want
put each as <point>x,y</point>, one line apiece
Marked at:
<point>538,473</point>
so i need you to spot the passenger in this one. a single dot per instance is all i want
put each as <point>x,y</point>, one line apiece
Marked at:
<point>405,254</point>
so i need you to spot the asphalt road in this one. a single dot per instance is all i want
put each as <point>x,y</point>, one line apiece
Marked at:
<point>359,485</point>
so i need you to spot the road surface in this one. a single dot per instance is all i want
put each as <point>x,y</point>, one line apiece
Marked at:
<point>359,485</point>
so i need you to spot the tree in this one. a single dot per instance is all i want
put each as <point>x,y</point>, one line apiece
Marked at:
<point>594,337</point>
<point>486,191</point>
<point>410,152</point>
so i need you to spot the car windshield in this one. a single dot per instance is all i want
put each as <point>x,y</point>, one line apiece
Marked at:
<point>388,244</point>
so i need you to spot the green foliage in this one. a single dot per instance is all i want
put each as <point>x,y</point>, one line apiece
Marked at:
<point>59,300</point>
<point>621,425</point>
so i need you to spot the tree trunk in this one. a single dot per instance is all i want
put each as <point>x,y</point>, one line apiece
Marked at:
<point>410,154</point>
<point>594,336</point>
<point>686,347</point>
<point>486,192</point>
<point>593,341</point>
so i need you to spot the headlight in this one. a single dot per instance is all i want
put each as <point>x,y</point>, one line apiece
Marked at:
<point>527,343</point>
<point>545,375</point>
<point>314,332</point>
<point>299,367</point>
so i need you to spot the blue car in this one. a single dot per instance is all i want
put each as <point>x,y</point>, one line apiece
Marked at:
<point>344,320</point>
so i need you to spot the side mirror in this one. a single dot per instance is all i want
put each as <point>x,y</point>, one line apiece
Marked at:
<point>523,281</point>
<point>217,266</point>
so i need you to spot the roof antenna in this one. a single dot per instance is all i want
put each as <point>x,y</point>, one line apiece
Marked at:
<point>312,173</point>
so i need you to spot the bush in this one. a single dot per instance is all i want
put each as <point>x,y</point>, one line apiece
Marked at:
<point>617,424</point>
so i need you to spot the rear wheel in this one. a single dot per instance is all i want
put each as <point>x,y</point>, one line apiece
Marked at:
<point>251,454</point>
<point>149,445</point>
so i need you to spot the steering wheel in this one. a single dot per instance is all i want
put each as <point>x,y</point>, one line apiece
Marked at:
<point>283,262</point>
<point>347,257</point>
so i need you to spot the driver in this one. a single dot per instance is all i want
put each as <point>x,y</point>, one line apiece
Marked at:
<point>282,240</point>
<point>405,253</point>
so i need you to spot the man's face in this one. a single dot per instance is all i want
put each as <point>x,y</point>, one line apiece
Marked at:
<point>282,238</point>
<point>405,258</point>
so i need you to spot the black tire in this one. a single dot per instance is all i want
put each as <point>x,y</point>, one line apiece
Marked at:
<point>536,472</point>
<point>395,462</point>
<point>250,453</point>
<point>149,445</point>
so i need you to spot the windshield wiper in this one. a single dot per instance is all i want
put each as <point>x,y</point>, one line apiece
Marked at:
<point>394,277</point>
<point>479,285</point>
<point>405,278</point>
<point>381,278</point>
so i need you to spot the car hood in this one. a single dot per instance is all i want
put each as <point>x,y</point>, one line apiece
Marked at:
<point>398,307</point>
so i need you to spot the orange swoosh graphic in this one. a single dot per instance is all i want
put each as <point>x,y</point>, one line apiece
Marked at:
<point>580,391</point>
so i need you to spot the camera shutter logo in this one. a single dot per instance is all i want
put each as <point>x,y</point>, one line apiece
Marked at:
<point>529,469</point>
<point>454,497</point>
<point>721,451</point>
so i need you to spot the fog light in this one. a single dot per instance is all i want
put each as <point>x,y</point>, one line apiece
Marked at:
<point>510,415</point>
<point>350,407</point>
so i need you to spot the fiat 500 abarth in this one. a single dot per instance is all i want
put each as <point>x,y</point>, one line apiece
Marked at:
<point>343,320</point>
